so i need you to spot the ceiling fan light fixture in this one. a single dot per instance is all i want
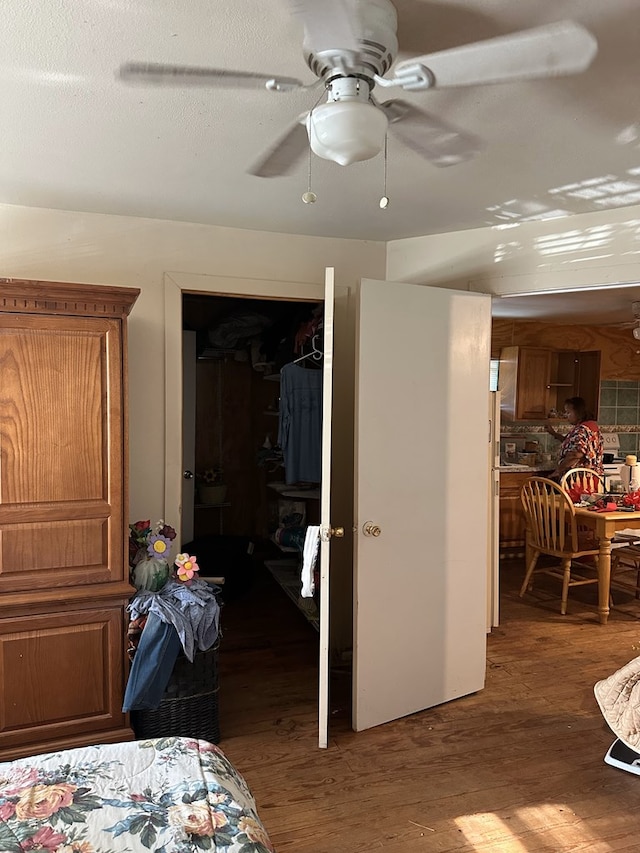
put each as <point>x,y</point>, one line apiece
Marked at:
<point>347,131</point>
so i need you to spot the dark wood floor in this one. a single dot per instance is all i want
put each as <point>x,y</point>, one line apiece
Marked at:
<point>517,767</point>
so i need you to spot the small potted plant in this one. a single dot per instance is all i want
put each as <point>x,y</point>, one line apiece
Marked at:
<point>211,486</point>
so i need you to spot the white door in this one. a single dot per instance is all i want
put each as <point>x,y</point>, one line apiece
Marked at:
<point>493,567</point>
<point>421,500</point>
<point>188,435</point>
<point>325,510</point>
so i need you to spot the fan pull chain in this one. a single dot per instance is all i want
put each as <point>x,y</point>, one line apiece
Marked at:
<point>384,201</point>
<point>309,197</point>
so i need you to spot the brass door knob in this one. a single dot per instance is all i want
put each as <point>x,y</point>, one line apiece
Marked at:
<point>371,529</point>
<point>338,532</point>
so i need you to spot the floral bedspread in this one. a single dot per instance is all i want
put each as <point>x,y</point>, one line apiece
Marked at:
<point>166,795</point>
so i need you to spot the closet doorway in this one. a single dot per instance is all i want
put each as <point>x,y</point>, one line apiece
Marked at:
<point>245,512</point>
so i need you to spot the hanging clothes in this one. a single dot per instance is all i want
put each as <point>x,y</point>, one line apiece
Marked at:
<point>300,424</point>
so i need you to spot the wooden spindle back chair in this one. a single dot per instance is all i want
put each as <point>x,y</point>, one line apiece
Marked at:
<point>552,530</point>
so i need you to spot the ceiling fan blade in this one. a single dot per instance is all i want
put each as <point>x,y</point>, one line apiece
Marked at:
<point>285,153</point>
<point>428,136</point>
<point>328,24</point>
<point>184,75</point>
<point>561,48</point>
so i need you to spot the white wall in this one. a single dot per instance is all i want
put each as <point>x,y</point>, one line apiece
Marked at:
<point>583,250</point>
<point>119,250</point>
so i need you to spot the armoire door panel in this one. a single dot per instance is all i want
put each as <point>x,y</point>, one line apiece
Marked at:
<point>77,549</point>
<point>62,383</point>
<point>63,515</point>
<point>60,673</point>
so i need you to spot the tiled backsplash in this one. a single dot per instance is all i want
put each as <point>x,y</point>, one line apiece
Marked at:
<point>619,403</point>
<point>619,412</point>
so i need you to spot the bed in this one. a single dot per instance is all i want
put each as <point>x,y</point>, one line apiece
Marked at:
<point>165,795</point>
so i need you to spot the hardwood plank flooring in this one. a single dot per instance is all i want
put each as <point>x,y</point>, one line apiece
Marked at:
<point>515,768</point>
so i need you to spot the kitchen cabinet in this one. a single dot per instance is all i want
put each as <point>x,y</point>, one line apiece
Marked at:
<point>512,526</point>
<point>537,380</point>
<point>523,378</point>
<point>512,522</point>
<point>64,584</point>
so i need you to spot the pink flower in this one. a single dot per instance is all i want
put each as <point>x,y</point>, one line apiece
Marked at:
<point>7,810</point>
<point>187,567</point>
<point>44,839</point>
<point>20,778</point>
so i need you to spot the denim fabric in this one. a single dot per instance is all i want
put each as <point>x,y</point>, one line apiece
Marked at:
<point>193,611</point>
<point>152,665</point>
<point>300,426</point>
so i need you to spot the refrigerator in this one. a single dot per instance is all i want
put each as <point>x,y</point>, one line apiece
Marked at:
<point>493,562</point>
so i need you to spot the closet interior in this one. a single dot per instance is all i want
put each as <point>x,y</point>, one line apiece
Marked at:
<point>257,423</point>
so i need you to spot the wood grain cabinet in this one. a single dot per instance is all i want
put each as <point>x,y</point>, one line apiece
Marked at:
<point>63,515</point>
<point>512,522</point>
<point>536,380</point>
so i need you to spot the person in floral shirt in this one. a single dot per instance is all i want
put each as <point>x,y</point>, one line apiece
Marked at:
<point>582,446</point>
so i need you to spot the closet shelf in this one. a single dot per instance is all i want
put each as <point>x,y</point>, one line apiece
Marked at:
<point>271,412</point>
<point>287,576</point>
<point>286,550</point>
<point>211,506</point>
<point>277,486</point>
<point>302,494</point>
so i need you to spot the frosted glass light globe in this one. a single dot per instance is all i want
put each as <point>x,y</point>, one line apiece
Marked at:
<point>346,131</point>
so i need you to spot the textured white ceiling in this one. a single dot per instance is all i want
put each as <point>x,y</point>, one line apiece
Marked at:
<point>609,306</point>
<point>74,138</point>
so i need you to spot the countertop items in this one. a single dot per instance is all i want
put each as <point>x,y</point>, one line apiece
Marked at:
<point>515,468</point>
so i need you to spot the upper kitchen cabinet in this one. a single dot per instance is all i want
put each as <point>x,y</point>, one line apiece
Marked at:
<point>523,378</point>
<point>535,381</point>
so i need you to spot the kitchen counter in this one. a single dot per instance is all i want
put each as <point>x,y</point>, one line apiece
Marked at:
<point>515,468</point>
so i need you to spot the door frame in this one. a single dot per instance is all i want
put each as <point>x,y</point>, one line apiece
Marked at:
<point>177,283</point>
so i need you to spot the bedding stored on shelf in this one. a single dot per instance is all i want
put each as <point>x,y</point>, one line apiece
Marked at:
<point>170,794</point>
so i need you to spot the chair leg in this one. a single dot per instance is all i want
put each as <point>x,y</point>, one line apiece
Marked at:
<point>527,578</point>
<point>566,565</point>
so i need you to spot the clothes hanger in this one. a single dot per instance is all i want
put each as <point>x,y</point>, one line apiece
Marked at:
<point>316,354</point>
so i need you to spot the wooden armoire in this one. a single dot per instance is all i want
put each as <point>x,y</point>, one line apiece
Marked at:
<point>64,580</point>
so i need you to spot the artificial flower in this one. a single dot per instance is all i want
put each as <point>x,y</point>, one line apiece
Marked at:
<point>167,531</point>
<point>186,567</point>
<point>159,546</point>
<point>147,540</point>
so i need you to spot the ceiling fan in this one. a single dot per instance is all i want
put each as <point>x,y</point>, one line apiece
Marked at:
<point>634,324</point>
<point>350,45</point>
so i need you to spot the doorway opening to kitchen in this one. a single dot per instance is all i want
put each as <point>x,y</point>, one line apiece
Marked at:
<point>550,346</point>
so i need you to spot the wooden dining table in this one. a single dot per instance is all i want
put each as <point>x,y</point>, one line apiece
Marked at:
<point>605,525</point>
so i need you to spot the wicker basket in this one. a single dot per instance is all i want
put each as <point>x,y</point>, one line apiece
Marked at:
<point>190,704</point>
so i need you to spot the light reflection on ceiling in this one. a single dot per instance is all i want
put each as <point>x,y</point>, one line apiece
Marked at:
<point>606,191</point>
<point>578,245</point>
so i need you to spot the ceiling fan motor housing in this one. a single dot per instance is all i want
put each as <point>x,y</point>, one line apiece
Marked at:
<point>376,24</point>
